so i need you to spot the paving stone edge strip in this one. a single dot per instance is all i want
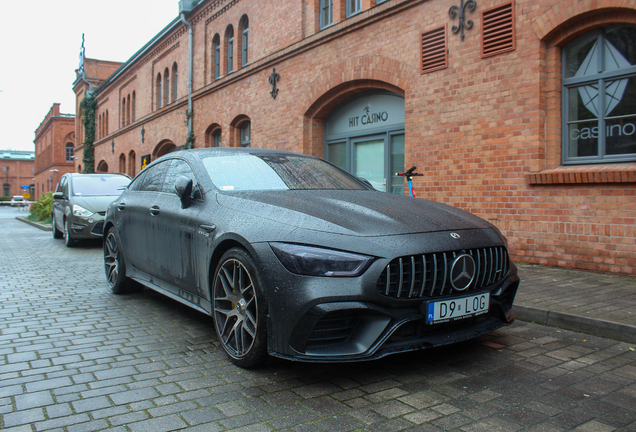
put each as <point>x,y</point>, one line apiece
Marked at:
<point>596,326</point>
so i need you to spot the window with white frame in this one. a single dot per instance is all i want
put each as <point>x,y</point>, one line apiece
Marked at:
<point>326,13</point>
<point>70,152</point>
<point>353,7</point>
<point>216,43</point>
<point>599,96</point>
<point>245,134</point>
<point>245,42</point>
<point>230,49</point>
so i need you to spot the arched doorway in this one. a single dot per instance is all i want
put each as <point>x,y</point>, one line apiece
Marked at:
<point>364,135</point>
<point>163,148</point>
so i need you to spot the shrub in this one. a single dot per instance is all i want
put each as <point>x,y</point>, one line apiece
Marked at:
<point>41,209</point>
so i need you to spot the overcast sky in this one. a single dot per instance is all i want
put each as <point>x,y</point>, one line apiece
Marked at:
<point>40,43</point>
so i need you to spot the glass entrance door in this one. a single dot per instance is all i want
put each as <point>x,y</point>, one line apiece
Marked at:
<point>368,159</point>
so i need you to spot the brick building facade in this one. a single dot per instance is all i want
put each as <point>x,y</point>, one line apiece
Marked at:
<point>16,172</point>
<point>502,115</point>
<point>54,150</point>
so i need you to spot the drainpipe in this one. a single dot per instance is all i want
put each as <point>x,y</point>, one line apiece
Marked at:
<point>190,34</point>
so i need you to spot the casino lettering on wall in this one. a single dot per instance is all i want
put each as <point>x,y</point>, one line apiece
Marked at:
<point>627,129</point>
<point>368,118</point>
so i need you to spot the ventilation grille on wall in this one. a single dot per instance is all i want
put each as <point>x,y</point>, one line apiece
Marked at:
<point>434,51</point>
<point>498,34</point>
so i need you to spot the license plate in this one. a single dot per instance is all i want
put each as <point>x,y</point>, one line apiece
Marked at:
<point>457,308</point>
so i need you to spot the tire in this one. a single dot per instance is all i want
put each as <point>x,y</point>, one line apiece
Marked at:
<point>57,234</point>
<point>115,266</point>
<point>69,241</point>
<point>240,309</point>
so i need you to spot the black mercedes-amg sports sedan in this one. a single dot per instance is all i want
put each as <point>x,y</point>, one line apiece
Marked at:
<point>295,258</point>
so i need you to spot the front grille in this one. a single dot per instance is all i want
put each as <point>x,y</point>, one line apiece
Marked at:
<point>427,275</point>
<point>98,229</point>
<point>333,328</point>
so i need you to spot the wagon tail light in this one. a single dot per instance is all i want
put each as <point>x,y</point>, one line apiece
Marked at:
<point>315,261</point>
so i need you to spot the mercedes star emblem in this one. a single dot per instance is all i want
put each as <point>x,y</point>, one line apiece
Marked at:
<point>462,272</point>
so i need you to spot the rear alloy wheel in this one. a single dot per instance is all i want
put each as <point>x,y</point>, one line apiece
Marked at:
<point>57,234</point>
<point>115,266</point>
<point>68,239</point>
<point>240,309</point>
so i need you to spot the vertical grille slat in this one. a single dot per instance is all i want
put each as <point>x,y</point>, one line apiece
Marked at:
<point>412,276</point>
<point>401,279</point>
<point>423,275</point>
<point>428,275</point>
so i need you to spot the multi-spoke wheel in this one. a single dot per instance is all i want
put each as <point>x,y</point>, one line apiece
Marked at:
<point>69,241</point>
<point>57,234</point>
<point>114,265</point>
<point>239,309</point>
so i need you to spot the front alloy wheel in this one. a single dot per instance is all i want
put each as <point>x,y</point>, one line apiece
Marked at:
<point>239,309</point>
<point>114,265</point>
<point>68,240</point>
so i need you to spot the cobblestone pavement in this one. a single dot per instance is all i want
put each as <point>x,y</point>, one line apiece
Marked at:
<point>74,357</point>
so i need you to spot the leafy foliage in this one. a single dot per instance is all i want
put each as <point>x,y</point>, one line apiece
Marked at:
<point>41,209</point>
<point>87,107</point>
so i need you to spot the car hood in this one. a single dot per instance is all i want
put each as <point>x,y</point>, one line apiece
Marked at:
<point>361,213</point>
<point>96,204</point>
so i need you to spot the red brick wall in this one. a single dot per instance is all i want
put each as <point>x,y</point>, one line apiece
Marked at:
<point>51,137</point>
<point>485,131</point>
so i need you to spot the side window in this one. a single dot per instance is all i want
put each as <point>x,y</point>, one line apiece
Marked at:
<point>178,168</point>
<point>61,186</point>
<point>138,182</point>
<point>153,181</point>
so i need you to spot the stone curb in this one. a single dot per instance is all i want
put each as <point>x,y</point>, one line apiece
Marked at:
<point>595,326</point>
<point>35,224</point>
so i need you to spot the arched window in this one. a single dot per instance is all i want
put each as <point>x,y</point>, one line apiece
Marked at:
<point>245,134</point>
<point>174,82</point>
<point>99,126</point>
<point>244,40</point>
<point>166,87</point>
<point>70,152</point>
<point>599,96</point>
<point>123,112</point>
<point>132,163</point>
<point>102,166</point>
<point>229,48</point>
<point>128,110</point>
<point>216,55</point>
<point>216,138</point>
<point>158,91</point>
<point>106,124</point>
<point>134,106</point>
<point>122,163</point>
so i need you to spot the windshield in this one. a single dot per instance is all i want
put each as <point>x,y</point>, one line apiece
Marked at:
<point>239,172</point>
<point>99,185</point>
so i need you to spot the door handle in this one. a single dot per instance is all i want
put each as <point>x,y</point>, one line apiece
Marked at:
<point>154,210</point>
<point>208,228</point>
<point>121,206</point>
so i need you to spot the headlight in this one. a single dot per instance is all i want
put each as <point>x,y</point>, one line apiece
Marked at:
<point>81,211</point>
<point>315,261</point>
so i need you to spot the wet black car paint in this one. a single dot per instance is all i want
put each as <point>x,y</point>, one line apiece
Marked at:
<point>175,251</point>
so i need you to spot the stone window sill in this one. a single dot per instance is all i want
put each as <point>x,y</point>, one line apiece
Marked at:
<point>614,173</point>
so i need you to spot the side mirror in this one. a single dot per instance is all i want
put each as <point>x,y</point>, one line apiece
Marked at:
<point>183,186</point>
<point>58,195</point>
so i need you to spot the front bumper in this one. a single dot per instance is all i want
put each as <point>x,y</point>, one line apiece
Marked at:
<point>87,228</point>
<point>323,319</point>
